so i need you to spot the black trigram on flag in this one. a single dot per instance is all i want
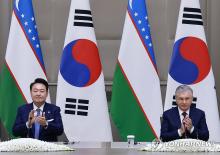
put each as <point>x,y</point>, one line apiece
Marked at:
<point>76,106</point>
<point>192,16</point>
<point>192,105</point>
<point>83,18</point>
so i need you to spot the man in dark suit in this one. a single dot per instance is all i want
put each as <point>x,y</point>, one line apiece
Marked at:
<point>39,120</point>
<point>184,121</point>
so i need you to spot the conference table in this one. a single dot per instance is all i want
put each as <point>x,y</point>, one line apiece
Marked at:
<point>106,148</point>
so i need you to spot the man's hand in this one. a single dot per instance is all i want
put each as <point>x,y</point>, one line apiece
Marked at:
<point>42,120</point>
<point>31,118</point>
<point>182,129</point>
<point>188,123</point>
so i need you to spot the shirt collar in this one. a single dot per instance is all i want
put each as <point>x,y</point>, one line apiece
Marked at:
<point>41,107</point>
<point>180,111</point>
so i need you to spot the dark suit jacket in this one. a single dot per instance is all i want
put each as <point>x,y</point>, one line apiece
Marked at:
<point>54,128</point>
<point>171,123</point>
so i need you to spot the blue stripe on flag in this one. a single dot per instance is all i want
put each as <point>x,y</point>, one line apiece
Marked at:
<point>138,12</point>
<point>23,10</point>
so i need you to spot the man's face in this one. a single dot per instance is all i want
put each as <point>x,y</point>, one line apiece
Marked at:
<point>39,94</point>
<point>184,100</point>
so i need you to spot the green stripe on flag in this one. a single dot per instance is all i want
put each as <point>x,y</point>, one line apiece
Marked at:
<point>126,112</point>
<point>10,99</point>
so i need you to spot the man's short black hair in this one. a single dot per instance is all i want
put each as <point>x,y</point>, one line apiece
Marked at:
<point>41,81</point>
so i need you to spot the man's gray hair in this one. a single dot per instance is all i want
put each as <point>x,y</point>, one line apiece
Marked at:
<point>183,88</point>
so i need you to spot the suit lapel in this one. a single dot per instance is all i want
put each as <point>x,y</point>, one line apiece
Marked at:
<point>30,107</point>
<point>177,117</point>
<point>45,110</point>
<point>192,114</point>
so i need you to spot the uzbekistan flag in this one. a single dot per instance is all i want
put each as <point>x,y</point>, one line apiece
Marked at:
<point>23,62</point>
<point>136,105</point>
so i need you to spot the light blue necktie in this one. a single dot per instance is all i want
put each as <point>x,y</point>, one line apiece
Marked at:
<point>37,126</point>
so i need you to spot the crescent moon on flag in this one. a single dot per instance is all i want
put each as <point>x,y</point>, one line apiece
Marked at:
<point>16,4</point>
<point>130,3</point>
